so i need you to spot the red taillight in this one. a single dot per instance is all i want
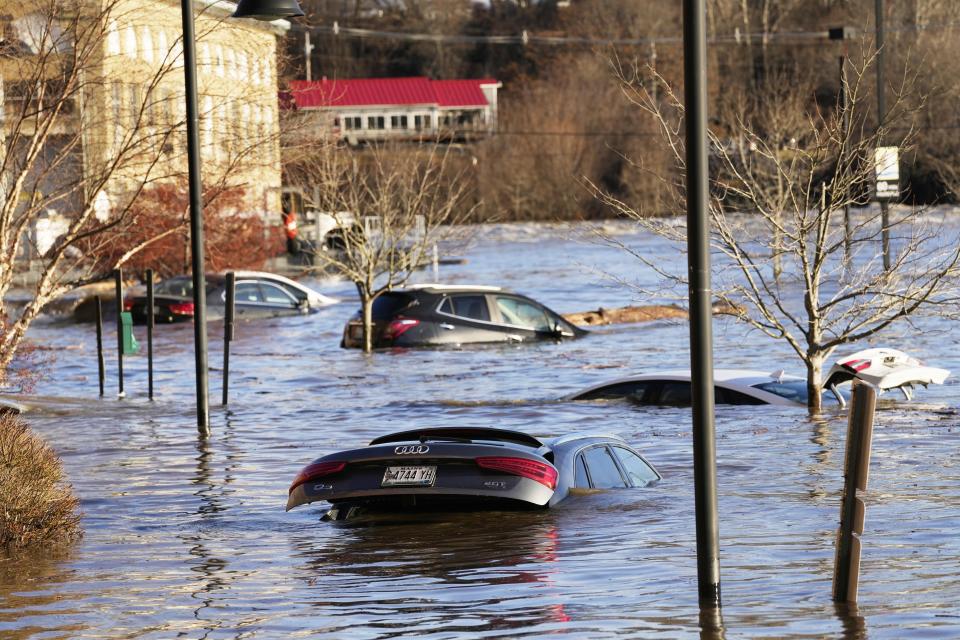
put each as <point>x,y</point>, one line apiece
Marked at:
<point>317,470</point>
<point>127,304</point>
<point>542,472</point>
<point>857,365</point>
<point>182,308</point>
<point>398,326</point>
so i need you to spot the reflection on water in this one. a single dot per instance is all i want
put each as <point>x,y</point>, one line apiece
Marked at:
<point>189,538</point>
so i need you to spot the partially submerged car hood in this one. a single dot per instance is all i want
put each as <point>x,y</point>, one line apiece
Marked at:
<point>884,369</point>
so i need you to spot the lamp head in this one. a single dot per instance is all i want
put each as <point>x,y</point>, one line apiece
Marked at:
<point>268,9</point>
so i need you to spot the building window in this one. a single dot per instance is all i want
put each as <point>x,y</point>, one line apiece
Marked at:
<point>352,122</point>
<point>231,63</point>
<point>376,122</point>
<point>117,104</point>
<point>146,44</point>
<point>130,42</point>
<point>204,57</point>
<point>163,48</point>
<point>421,122</point>
<point>398,122</point>
<point>113,39</point>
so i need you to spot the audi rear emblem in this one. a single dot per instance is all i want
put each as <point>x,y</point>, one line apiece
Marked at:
<point>411,449</point>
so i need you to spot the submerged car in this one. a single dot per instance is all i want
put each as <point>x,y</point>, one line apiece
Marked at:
<point>463,467</point>
<point>256,294</point>
<point>883,368</point>
<point>437,315</point>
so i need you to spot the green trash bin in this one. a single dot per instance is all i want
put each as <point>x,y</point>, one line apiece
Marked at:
<point>130,344</point>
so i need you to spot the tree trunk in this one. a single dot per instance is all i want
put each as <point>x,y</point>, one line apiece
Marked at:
<point>366,303</point>
<point>814,381</point>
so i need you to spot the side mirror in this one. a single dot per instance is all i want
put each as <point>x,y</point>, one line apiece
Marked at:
<point>303,305</point>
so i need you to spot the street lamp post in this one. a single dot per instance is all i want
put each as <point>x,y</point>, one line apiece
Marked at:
<point>261,10</point>
<point>701,332</point>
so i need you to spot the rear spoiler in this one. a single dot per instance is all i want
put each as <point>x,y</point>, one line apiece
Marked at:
<point>883,369</point>
<point>459,433</point>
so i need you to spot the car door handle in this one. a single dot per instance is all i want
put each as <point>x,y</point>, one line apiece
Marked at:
<point>448,327</point>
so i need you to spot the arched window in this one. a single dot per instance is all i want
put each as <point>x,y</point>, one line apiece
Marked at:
<point>113,39</point>
<point>146,45</point>
<point>130,42</point>
<point>163,48</point>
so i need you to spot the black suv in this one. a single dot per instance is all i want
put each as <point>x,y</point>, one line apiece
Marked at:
<point>436,315</point>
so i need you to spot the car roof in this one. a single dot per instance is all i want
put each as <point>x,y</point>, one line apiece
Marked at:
<point>745,377</point>
<point>460,433</point>
<point>573,437</point>
<point>451,288</point>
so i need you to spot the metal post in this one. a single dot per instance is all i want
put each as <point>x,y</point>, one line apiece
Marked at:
<point>118,292</point>
<point>150,323</point>
<point>881,114</point>
<point>100,364</point>
<point>846,575</point>
<point>196,217</point>
<point>701,339</point>
<point>228,332</point>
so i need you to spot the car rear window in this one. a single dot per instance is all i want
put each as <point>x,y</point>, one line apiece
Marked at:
<point>389,304</point>
<point>181,287</point>
<point>603,470</point>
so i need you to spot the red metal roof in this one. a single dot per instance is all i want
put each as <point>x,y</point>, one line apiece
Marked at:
<point>357,92</point>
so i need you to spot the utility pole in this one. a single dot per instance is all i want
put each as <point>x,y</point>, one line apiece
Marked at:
<point>701,333</point>
<point>881,112</point>
<point>307,54</point>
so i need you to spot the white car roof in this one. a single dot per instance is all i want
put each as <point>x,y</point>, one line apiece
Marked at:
<point>315,297</point>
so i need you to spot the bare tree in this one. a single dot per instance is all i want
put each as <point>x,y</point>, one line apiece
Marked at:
<point>391,205</point>
<point>85,130</point>
<point>783,170</point>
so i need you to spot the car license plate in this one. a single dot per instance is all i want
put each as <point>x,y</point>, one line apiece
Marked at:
<point>356,331</point>
<point>157,311</point>
<point>409,477</point>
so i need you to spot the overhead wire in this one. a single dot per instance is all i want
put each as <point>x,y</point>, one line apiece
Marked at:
<point>528,38</point>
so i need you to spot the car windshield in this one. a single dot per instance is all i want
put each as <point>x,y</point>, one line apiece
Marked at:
<point>180,287</point>
<point>388,304</point>
<point>795,390</point>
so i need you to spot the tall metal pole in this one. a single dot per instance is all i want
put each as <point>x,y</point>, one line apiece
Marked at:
<point>701,338</point>
<point>881,112</point>
<point>118,293</point>
<point>196,218</point>
<point>150,323</point>
<point>100,364</point>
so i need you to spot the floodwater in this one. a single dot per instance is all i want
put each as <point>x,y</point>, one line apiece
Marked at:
<point>188,538</point>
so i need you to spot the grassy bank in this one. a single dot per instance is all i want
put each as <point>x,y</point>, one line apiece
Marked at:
<point>36,506</point>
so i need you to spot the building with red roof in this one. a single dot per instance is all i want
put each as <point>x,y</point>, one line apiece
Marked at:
<point>365,109</point>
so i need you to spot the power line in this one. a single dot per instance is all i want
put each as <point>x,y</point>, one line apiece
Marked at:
<point>527,38</point>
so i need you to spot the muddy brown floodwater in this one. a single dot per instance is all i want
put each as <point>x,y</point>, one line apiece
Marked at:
<point>188,538</point>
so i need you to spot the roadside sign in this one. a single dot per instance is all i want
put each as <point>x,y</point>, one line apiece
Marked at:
<point>887,165</point>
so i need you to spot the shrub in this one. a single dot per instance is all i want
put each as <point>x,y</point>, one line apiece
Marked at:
<point>36,506</point>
